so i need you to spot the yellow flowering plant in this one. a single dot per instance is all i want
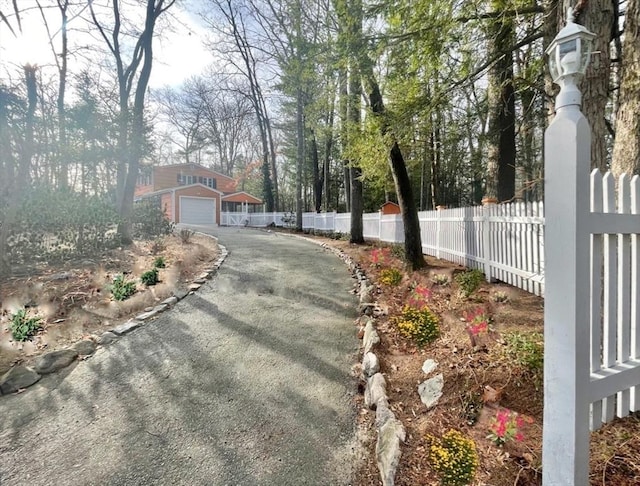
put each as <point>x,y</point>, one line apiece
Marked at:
<point>454,457</point>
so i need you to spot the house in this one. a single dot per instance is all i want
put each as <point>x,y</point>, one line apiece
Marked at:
<point>192,194</point>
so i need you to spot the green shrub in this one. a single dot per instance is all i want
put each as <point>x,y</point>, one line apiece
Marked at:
<point>149,220</point>
<point>23,326</point>
<point>159,262</point>
<point>526,350</point>
<point>150,278</point>
<point>469,281</point>
<point>454,458</point>
<point>390,276</point>
<point>121,289</point>
<point>420,325</point>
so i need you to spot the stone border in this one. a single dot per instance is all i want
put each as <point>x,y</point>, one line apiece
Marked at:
<point>20,377</point>
<point>390,431</point>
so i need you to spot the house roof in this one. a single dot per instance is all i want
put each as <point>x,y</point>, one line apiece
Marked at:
<point>176,188</point>
<point>194,165</point>
<point>241,196</point>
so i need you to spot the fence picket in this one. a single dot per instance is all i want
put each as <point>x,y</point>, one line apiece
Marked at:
<point>624,284</point>
<point>596,294</point>
<point>609,343</point>
<point>634,310</point>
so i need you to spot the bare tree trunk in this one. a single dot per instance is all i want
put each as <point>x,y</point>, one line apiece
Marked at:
<point>626,150</point>
<point>300,155</point>
<point>412,237</point>
<point>501,150</point>
<point>597,16</point>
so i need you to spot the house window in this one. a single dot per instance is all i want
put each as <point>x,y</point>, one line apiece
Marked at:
<point>211,182</point>
<point>180,180</point>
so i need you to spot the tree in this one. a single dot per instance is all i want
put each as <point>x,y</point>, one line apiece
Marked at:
<point>626,149</point>
<point>131,77</point>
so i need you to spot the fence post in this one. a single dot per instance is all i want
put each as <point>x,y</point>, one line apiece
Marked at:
<point>438,230</point>
<point>567,158</point>
<point>488,203</point>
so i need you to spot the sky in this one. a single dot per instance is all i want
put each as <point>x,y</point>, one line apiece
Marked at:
<point>178,55</point>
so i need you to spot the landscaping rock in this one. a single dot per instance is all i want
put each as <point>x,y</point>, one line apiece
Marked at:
<point>370,365</point>
<point>126,327</point>
<point>107,338</point>
<point>371,337</point>
<point>17,378</point>
<point>375,393</point>
<point>180,294</point>
<point>160,308</point>
<point>194,286</point>
<point>431,390</point>
<point>390,435</point>
<point>85,347</point>
<point>171,300</point>
<point>54,361</point>
<point>429,366</point>
<point>146,315</point>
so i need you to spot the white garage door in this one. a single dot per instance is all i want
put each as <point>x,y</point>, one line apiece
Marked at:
<point>197,210</point>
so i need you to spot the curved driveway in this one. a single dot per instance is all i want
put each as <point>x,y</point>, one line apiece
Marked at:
<point>244,383</point>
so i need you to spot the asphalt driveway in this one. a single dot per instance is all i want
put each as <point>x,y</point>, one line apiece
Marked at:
<point>244,383</point>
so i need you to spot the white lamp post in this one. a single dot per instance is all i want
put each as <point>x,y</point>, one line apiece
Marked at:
<point>569,54</point>
<point>567,160</point>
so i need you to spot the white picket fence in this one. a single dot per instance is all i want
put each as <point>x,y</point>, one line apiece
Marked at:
<point>615,298</point>
<point>505,241</point>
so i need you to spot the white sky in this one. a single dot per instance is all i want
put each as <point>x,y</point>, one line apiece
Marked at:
<point>177,55</point>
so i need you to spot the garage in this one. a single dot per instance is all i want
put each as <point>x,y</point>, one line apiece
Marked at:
<point>197,210</point>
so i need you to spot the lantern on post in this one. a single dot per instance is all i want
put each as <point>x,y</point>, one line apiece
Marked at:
<point>569,54</point>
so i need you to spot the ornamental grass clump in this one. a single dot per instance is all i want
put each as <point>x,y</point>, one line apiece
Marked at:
<point>420,325</point>
<point>454,457</point>
<point>390,276</point>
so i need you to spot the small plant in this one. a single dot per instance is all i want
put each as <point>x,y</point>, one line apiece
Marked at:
<point>526,350</point>
<point>440,279</point>
<point>398,251</point>
<point>121,289</point>
<point>506,426</point>
<point>379,256</point>
<point>421,325</point>
<point>150,278</point>
<point>185,235</point>
<point>469,281</point>
<point>159,262</point>
<point>419,296</point>
<point>454,458</point>
<point>477,323</point>
<point>390,276</point>
<point>500,297</point>
<point>23,326</point>
<point>158,246</point>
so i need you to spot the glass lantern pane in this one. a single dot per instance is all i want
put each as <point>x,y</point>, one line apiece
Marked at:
<point>585,54</point>
<point>569,57</point>
<point>554,69</point>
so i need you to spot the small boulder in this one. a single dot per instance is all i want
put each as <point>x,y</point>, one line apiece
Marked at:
<point>390,434</point>
<point>428,366</point>
<point>431,390</point>
<point>375,394</point>
<point>54,361</point>
<point>370,365</point>
<point>107,338</point>
<point>370,338</point>
<point>85,347</point>
<point>17,378</point>
<point>126,327</point>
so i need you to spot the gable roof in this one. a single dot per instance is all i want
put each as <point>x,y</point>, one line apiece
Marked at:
<point>241,196</point>
<point>176,188</point>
